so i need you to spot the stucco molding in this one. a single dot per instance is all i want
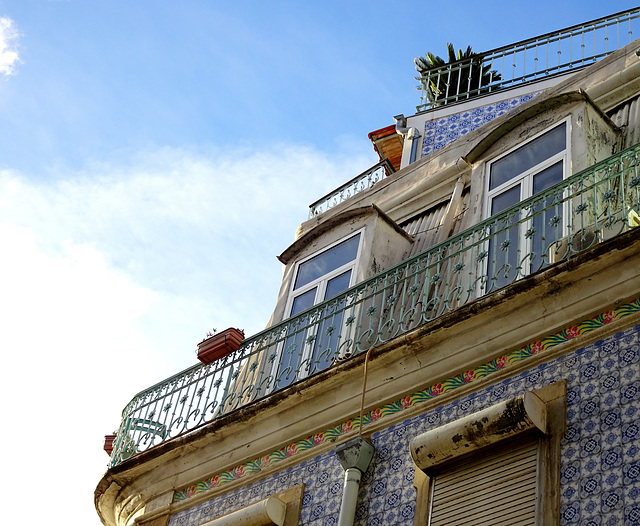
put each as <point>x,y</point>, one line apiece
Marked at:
<point>478,430</point>
<point>336,221</point>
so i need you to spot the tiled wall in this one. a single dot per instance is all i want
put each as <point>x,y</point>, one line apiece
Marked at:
<point>600,473</point>
<point>441,131</point>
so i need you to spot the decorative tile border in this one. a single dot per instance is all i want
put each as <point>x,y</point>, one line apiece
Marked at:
<point>463,378</point>
<point>440,132</point>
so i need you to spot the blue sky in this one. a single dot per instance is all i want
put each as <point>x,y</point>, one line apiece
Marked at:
<point>156,156</point>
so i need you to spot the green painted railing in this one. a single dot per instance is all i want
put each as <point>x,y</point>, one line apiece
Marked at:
<point>527,61</point>
<point>570,217</point>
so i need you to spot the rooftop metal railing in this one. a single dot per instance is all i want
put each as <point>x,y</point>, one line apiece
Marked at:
<point>584,209</point>
<point>358,184</point>
<point>527,61</point>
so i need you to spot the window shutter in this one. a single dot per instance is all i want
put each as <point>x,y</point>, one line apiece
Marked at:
<point>492,487</point>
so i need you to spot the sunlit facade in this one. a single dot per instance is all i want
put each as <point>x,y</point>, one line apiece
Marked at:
<point>456,336</point>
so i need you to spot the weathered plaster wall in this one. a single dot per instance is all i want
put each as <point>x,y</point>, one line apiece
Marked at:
<point>600,473</point>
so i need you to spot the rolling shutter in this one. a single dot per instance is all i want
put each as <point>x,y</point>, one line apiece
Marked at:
<point>491,487</point>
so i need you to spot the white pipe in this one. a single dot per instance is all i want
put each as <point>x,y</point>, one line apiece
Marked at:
<point>410,133</point>
<point>401,125</point>
<point>355,457</point>
<point>349,497</point>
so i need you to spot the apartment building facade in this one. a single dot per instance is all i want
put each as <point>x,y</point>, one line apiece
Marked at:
<point>456,337</point>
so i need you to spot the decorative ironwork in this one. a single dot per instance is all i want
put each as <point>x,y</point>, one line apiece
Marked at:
<point>358,184</point>
<point>530,60</point>
<point>570,217</point>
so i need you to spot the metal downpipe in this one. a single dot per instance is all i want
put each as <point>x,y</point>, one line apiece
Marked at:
<point>349,496</point>
<point>410,133</point>
<point>355,457</point>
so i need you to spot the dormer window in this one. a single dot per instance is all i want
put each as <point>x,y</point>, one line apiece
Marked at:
<point>312,347</point>
<point>325,275</point>
<point>517,175</point>
<point>318,318</point>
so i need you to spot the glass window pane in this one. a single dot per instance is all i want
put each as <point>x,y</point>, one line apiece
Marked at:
<point>548,218</point>
<point>502,266</point>
<point>527,156</point>
<point>337,285</point>
<point>327,342</point>
<point>327,261</point>
<point>293,347</point>
<point>304,301</point>
<point>506,199</point>
<point>547,177</point>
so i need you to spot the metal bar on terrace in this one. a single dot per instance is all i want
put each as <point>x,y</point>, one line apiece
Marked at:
<point>572,216</point>
<point>527,61</point>
<point>358,184</point>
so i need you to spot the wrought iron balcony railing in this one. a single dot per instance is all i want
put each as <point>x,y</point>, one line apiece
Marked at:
<point>527,61</point>
<point>358,184</point>
<point>589,207</point>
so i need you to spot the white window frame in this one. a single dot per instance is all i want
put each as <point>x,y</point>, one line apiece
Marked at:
<point>322,281</point>
<point>525,180</point>
<point>321,284</point>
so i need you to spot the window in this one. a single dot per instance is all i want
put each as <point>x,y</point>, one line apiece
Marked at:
<point>500,466</point>
<point>280,509</point>
<point>313,344</point>
<point>464,491</point>
<point>520,243</point>
<point>266,512</point>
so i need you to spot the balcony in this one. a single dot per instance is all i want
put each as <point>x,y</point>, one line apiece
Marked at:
<point>527,61</point>
<point>358,184</point>
<point>592,206</point>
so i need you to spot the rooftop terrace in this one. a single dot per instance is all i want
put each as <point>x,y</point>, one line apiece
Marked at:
<point>527,61</point>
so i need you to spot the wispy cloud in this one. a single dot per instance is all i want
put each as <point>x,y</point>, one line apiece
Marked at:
<point>182,223</point>
<point>111,275</point>
<point>8,46</point>
<point>189,238</point>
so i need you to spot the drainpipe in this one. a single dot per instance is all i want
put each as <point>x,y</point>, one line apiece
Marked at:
<point>410,133</point>
<point>355,457</point>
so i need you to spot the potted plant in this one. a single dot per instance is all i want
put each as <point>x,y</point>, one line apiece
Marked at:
<point>466,71</point>
<point>218,345</point>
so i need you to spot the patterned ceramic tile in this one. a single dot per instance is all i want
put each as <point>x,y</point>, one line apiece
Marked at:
<point>600,472</point>
<point>441,131</point>
<point>632,515</point>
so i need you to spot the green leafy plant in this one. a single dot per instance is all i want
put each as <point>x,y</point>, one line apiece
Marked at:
<point>462,73</point>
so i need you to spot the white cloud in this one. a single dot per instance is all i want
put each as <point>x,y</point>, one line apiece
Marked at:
<point>110,277</point>
<point>185,224</point>
<point>72,350</point>
<point>8,46</point>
